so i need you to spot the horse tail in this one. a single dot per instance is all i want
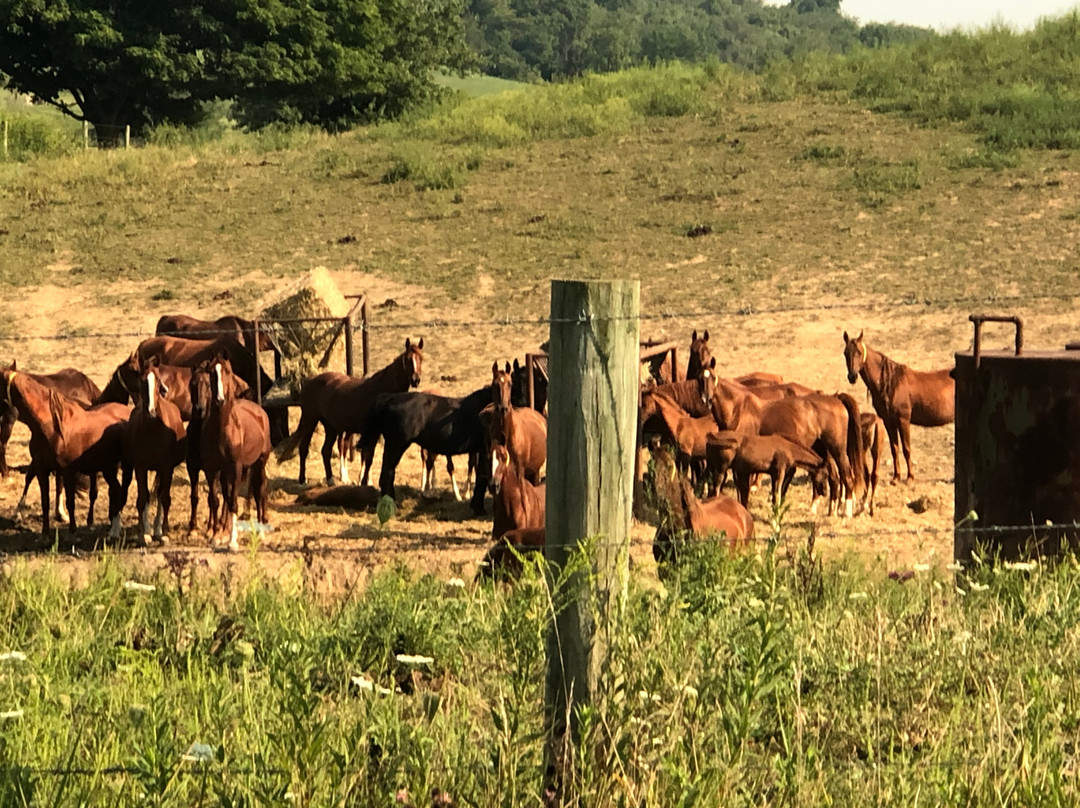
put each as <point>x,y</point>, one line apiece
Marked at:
<point>855,452</point>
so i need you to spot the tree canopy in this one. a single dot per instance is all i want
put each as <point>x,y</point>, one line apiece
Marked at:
<point>329,62</point>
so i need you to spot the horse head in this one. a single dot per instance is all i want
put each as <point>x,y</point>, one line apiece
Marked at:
<point>854,356</point>
<point>199,388</point>
<point>222,386</point>
<point>502,384</point>
<point>8,375</point>
<point>706,382</point>
<point>700,355</point>
<point>413,358</point>
<point>500,463</point>
<point>151,388</point>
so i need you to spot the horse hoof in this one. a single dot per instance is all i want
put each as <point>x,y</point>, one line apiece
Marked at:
<point>163,541</point>
<point>147,540</point>
<point>234,546</point>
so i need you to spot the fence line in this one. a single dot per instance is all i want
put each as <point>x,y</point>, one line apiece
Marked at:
<point>748,310</point>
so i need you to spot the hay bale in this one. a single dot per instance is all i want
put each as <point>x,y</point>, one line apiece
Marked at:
<point>307,348</point>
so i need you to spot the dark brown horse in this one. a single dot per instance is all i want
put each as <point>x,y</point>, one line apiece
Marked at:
<point>180,325</point>
<point>235,437</point>
<point>341,404</point>
<point>154,440</point>
<point>517,503</point>
<point>189,353</point>
<point>70,440</point>
<point>684,513</point>
<point>828,425</point>
<point>901,396</point>
<point>522,430</point>
<point>74,384</point>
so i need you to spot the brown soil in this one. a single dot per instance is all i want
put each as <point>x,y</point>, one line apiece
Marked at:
<point>332,551</point>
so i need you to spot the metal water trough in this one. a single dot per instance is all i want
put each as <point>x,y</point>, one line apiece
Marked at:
<point>1017,451</point>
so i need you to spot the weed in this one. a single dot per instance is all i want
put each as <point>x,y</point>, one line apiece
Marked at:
<point>164,294</point>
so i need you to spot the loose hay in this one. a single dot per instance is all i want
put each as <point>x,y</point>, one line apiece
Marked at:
<point>307,348</point>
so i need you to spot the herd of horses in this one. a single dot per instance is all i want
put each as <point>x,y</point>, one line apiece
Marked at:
<point>185,396</point>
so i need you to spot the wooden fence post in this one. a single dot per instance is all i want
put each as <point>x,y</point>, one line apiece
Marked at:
<point>593,398</point>
<point>347,326</point>
<point>364,346</point>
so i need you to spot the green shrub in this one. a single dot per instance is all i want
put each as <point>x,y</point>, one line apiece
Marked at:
<point>426,172</point>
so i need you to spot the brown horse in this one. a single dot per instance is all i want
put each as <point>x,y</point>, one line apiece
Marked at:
<point>748,455</point>
<point>688,434</point>
<point>699,355</point>
<point>503,559</point>
<point>126,381</point>
<point>341,404</point>
<point>154,440</point>
<point>901,396</point>
<point>70,440</point>
<point>522,430</point>
<point>682,512</point>
<point>243,331</point>
<point>517,503</point>
<point>828,425</point>
<point>235,436</point>
<point>190,353</point>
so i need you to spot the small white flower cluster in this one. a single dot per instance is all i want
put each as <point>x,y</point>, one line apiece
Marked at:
<point>135,586</point>
<point>365,683</point>
<point>13,656</point>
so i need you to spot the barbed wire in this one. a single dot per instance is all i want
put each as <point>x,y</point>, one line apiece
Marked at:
<point>436,323</point>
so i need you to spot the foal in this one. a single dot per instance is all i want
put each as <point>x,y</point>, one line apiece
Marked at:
<point>522,430</point>
<point>235,436</point>
<point>517,503</point>
<point>154,440</point>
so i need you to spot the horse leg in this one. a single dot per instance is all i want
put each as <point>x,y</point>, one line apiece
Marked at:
<point>306,428</point>
<point>211,502</point>
<point>46,502</point>
<point>391,457</point>
<point>164,498</point>
<point>343,462</point>
<point>233,497</point>
<point>142,502</point>
<point>257,485</point>
<point>70,482</point>
<point>31,475</point>
<point>61,508</point>
<point>116,502</point>
<point>742,485</point>
<point>905,444</point>
<point>328,452</point>
<point>7,423</point>
<point>893,431</point>
<point>453,480</point>
<point>789,475</point>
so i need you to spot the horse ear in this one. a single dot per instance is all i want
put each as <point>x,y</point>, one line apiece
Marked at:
<point>847,339</point>
<point>517,366</point>
<point>223,355</point>
<point>507,368</point>
<point>420,344</point>
<point>693,335</point>
<point>13,363</point>
<point>494,367</point>
<point>706,337</point>
<point>408,344</point>
<point>859,338</point>
<point>712,363</point>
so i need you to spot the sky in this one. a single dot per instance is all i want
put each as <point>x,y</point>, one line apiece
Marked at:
<point>948,14</point>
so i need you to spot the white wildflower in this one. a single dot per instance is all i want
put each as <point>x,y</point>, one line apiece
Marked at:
<point>11,714</point>
<point>14,656</point>
<point>961,637</point>
<point>921,567</point>
<point>1021,566</point>
<point>690,691</point>
<point>954,567</point>
<point>456,582</point>
<point>135,586</point>
<point>858,596</point>
<point>754,603</point>
<point>365,683</point>
<point>414,659</point>
<point>977,587</point>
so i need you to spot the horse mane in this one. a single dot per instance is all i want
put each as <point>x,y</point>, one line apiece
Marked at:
<point>56,410</point>
<point>891,373</point>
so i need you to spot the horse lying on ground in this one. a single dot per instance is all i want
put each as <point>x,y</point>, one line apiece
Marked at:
<point>341,404</point>
<point>683,513</point>
<point>502,560</point>
<point>748,455</point>
<point>516,502</point>
<point>352,497</point>
<point>901,396</point>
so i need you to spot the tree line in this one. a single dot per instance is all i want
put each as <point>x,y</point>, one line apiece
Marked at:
<point>335,63</point>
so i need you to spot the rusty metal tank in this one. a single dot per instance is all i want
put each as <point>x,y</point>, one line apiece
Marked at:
<point>1017,450</point>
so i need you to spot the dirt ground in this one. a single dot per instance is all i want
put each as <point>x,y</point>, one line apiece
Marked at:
<point>332,550</point>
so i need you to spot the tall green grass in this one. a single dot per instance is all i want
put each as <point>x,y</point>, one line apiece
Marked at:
<point>744,681</point>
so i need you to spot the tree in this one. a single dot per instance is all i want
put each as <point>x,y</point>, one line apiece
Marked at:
<point>329,62</point>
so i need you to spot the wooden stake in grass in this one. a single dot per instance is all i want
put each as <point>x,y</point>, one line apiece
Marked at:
<point>592,406</point>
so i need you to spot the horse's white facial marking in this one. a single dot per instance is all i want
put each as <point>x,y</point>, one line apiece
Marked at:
<point>415,366</point>
<point>495,481</point>
<point>220,387</point>
<point>151,394</point>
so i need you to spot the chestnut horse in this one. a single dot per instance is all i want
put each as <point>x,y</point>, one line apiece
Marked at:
<point>517,503</point>
<point>68,439</point>
<point>189,353</point>
<point>699,356</point>
<point>522,430</point>
<point>503,561</point>
<point>124,384</point>
<point>154,440</point>
<point>828,425</point>
<point>243,331</point>
<point>682,512</point>
<point>750,455</point>
<point>341,404</point>
<point>687,433</point>
<point>901,396</point>
<point>235,436</point>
